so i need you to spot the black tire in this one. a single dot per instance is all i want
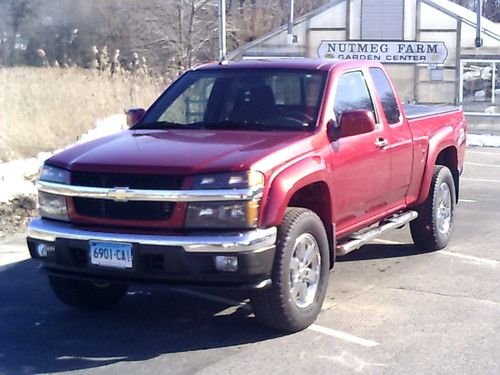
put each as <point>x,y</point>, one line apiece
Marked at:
<point>427,230</point>
<point>87,295</point>
<point>275,307</point>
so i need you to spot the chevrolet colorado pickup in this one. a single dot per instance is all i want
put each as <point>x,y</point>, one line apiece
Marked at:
<point>252,174</point>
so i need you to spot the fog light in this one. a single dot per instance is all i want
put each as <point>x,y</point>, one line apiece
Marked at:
<point>226,263</point>
<point>44,249</point>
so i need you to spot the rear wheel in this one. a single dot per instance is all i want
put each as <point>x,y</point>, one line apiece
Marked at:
<point>87,295</point>
<point>434,225</point>
<point>300,274</point>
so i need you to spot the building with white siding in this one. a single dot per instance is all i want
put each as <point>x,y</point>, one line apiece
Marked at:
<point>428,47</point>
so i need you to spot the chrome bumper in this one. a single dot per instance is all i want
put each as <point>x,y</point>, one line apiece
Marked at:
<point>230,242</point>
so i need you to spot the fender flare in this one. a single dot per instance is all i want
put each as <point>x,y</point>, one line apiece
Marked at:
<point>437,142</point>
<point>287,182</point>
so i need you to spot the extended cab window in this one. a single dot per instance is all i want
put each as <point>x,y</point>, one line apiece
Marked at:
<point>384,89</point>
<point>352,94</point>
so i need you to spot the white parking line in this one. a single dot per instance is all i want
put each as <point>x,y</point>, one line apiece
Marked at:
<point>342,335</point>
<point>467,200</point>
<point>445,252</point>
<point>315,327</point>
<point>490,262</point>
<point>482,165</point>
<point>478,179</point>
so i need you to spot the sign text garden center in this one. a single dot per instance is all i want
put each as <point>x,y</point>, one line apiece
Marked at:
<point>385,52</point>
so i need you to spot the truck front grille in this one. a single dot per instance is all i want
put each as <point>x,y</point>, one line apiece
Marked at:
<point>134,210</point>
<point>131,210</point>
<point>132,181</point>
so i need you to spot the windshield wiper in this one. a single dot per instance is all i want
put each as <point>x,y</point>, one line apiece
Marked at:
<point>236,125</point>
<point>166,125</point>
<point>273,125</point>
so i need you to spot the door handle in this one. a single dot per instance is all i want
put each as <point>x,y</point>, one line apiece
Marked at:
<point>381,142</point>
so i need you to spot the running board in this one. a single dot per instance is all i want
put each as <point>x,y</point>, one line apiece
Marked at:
<point>360,239</point>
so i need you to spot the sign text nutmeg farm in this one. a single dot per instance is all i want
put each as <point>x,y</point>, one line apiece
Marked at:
<point>384,51</point>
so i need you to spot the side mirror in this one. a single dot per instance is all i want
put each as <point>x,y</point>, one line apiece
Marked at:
<point>356,122</point>
<point>134,115</point>
<point>333,130</point>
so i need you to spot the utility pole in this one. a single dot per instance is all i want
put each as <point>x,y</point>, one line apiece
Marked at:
<point>290,22</point>
<point>222,30</point>
<point>479,10</point>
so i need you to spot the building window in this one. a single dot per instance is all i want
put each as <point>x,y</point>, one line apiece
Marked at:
<point>480,87</point>
<point>382,19</point>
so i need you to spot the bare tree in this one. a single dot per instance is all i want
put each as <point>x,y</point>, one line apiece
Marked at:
<point>19,11</point>
<point>250,19</point>
<point>182,32</point>
<point>491,8</point>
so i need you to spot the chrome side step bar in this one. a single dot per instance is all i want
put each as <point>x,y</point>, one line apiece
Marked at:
<point>361,238</point>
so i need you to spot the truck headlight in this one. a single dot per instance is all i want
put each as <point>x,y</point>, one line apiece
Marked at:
<point>227,214</point>
<point>232,180</point>
<point>54,174</point>
<point>53,206</point>
<point>238,214</point>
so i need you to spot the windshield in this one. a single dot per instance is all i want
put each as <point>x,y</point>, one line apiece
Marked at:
<point>239,99</point>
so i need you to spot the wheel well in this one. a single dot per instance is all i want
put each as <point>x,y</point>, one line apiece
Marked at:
<point>316,197</point>
<point>448,157</point>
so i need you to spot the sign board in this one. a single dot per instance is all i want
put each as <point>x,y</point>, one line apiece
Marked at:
<point>384,51</point>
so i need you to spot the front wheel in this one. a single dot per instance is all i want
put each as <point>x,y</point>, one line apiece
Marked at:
<point>300,274</point>
<point>433,227</point>
<point>87,295</point>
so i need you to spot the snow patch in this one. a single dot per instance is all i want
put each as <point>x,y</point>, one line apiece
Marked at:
<point>109,125</point>
<point>483,140</point>
<point>18,177</point>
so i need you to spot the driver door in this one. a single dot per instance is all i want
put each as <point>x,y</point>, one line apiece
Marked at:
<point>360,167</point>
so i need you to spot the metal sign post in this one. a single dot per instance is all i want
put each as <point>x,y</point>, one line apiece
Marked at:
<point>479,41</point>
<point>290,22</point>
<point>222,30</point>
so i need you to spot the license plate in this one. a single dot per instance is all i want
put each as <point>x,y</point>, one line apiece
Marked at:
<point>109,254</point>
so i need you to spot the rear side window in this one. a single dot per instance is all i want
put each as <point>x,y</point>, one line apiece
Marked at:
<point>352,94</point>
<point>386,94</point>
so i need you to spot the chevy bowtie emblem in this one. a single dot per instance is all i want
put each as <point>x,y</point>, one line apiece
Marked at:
<point>119,194</point>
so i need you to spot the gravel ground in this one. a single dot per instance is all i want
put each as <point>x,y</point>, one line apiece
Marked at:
<point>14,214</point>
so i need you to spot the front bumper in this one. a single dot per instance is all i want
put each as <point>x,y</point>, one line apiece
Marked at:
<point>180,259</point>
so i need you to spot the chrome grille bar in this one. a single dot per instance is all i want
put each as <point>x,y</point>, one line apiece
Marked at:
<point>123,194</point>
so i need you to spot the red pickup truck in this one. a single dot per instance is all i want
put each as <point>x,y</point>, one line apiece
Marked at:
<point>253,174</point>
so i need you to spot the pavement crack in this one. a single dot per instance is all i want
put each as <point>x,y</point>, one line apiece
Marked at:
<point>441,294</point>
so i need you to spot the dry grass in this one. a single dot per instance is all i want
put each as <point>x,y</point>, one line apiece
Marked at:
<point>42,109</point>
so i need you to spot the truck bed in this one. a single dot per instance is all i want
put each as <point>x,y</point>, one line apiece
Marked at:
<point>414,111</point>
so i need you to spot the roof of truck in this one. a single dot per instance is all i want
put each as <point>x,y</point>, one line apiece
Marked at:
<point>302,63</point>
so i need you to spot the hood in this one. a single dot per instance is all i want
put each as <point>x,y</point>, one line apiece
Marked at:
<point>177,151</point>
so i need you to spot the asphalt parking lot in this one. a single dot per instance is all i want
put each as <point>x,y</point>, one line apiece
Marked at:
<point>390,309</point>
